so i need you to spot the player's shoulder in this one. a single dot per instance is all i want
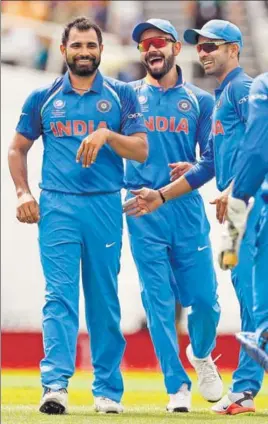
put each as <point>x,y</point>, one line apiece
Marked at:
<point>41,94</point>
<point>122,88</point>
<point>198,92</point>
<point>137,84</point>
<point>240,84</point>
<point>260,83</point>
<point>204,99</point>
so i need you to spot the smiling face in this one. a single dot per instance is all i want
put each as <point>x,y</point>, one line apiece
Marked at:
<point>82,52</point>
<point>218,61</point>
<point>159,61</point>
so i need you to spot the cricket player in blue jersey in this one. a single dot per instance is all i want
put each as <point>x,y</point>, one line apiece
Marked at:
<point>219,44</point>
<point>171,248</point>
<point>88,123</point>
<point>252,173</point>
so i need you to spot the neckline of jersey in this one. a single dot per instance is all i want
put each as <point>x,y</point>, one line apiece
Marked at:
<point>96,86</point>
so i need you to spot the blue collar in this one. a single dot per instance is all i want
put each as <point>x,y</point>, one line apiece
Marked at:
<point>96,86</point>
<point>180,79</point>
<point>229,77</point>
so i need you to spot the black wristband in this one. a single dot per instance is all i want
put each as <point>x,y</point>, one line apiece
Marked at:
<point>162,196</point>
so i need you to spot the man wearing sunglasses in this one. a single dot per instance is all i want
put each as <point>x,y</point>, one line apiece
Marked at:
<point>171,248</point>
<point>219,44</point>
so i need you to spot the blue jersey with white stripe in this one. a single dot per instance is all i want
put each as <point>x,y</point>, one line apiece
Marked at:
<point>64,118</point>
<point>252,165</point>
<point>228,129</point>
<point>176,120</point>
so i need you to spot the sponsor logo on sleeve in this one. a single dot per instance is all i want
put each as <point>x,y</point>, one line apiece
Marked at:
<point>243,100</point>
<point>258,97</point>
<point>135,115</point>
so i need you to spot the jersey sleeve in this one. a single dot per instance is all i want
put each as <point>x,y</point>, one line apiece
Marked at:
<point>206,104</point>
<point>252,164</point>
<point>30,124</point>
<point>239,95</point>
<point>132,120</point>
<point>204,170</point>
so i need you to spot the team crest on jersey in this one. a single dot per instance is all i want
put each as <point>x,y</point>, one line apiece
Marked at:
<point>104,106</point>
<point>184,106</point>
<point>58,104</point>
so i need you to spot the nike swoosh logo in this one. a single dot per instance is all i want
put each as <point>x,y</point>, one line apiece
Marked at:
<point>202,248</point>
<point>22,113</point>
<point>109,245</point>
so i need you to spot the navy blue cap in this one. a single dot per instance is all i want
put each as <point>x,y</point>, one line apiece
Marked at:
<point>161,24</point>
<point>216,29</point>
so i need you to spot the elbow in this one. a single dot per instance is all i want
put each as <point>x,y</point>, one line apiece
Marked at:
<point>144,150</point>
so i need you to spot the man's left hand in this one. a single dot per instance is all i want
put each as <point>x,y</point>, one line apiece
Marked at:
<point>91,145</point>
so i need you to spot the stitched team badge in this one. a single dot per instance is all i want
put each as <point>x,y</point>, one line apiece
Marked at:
<point>58,104</point>
<point>104,106</point>
<point>184,106</point>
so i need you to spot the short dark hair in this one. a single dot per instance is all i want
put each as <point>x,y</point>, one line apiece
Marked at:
<point>82,23</point>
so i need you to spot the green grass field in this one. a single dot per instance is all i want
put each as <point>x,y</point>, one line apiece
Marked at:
<point>144,402</point>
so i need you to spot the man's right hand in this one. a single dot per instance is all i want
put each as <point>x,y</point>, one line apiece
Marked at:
<point>27,209</point>
<point>145,201</point>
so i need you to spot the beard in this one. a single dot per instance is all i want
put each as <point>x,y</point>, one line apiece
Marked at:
<point>158,72</point>
<point>83,70</point>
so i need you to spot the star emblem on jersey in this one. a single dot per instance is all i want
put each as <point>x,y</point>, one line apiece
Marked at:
<point>184,105</point>
<point>58,104</point>
<point>104,106</point>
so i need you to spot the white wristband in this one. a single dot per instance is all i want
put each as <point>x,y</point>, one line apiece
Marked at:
<point>26,197</point>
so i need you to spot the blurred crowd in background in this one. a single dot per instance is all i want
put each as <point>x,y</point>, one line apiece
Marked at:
<point>114,17</point>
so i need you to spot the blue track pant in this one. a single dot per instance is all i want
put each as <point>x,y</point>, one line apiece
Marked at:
<point>81,231</point>
<point>248,375</point>
<point>172,252</point>
<point>260,275</point>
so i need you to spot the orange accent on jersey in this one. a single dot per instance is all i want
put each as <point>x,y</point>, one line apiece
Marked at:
<point>54,129</point>
<point>183,126</point>
<point>66,129</point>
<point>172,124</point>
<point>217,128</point>
<point>150,123</point>
<point>161,123</point>
<point>80,127</point>
<point>102,124</point>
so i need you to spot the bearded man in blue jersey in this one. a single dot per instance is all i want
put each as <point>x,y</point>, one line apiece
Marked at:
<point>88,123</point>
<point>219,44</point>
<point>171,247</point>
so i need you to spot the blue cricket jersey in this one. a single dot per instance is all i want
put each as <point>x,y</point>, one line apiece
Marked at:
<point>252,165</point>
<point>64,118</point>
<point>176,119</point>
<point>228,129</point>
